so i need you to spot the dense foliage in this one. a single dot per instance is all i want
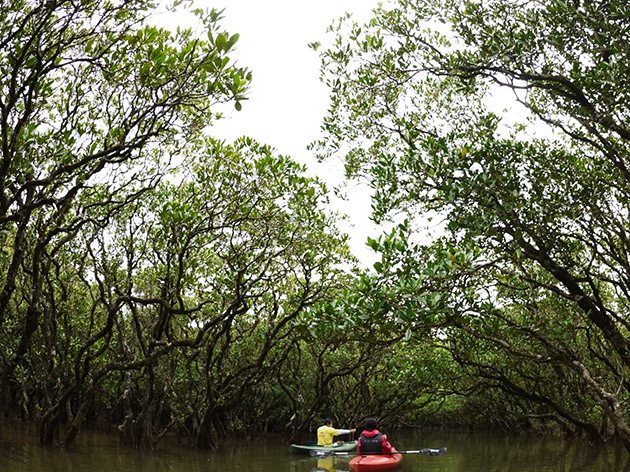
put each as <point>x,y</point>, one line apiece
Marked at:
<point>150,276</point>
<point>508,123</point>
<point>154,280</point>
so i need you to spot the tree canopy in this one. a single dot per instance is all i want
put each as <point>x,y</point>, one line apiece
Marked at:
<point>507,123</point>
<point>154,279</point>
<point>150,275</point>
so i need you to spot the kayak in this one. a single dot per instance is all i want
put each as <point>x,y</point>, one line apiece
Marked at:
<point>375,462</point>
<point>344,447</point>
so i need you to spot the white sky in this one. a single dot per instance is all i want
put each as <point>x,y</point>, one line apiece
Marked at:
<point>287,101</point>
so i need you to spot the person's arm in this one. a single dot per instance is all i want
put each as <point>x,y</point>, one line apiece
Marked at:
<point>345,431</point>
<point>387,447</point>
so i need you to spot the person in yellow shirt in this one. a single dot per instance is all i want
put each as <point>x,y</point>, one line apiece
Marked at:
<point>327,432</point>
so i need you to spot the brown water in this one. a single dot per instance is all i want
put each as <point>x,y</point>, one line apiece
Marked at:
<point>19,452</point>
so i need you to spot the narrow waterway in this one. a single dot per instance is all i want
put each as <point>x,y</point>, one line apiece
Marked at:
<point>19,452</point>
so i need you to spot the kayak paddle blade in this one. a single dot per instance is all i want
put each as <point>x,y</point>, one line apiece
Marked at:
<point>433,452</point>
<point>316,453</point>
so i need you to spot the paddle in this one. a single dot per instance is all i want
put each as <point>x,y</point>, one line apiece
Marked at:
<point>427,450</point>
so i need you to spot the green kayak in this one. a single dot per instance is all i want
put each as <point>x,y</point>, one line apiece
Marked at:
<point>344,447</point>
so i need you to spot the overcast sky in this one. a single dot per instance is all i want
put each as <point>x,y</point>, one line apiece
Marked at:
<point>287,101</point>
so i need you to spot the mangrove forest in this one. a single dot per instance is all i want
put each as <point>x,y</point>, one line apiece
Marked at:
<point>156,280</point>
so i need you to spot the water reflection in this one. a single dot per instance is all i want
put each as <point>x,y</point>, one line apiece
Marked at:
<point>327,464</point>
<point>516,453</point>
<point>19,452</point>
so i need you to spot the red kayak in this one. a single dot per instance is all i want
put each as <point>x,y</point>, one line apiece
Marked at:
<point>375,462</point>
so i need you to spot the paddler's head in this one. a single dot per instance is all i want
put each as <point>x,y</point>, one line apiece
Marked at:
<point>371,424</point>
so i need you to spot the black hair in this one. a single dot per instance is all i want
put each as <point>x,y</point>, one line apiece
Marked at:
<point>328,421</point>
<point>371,424</point>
